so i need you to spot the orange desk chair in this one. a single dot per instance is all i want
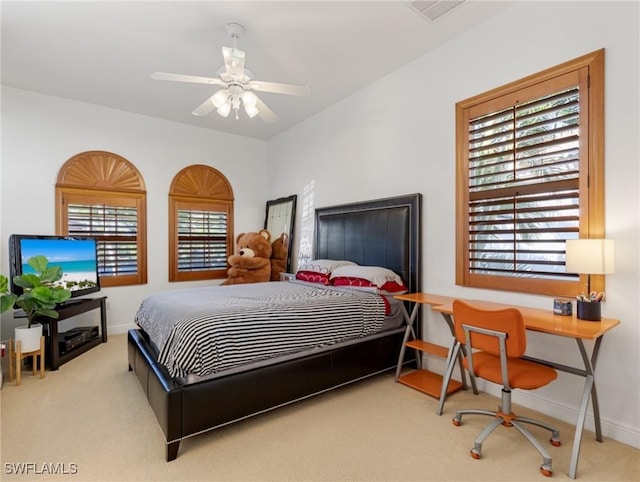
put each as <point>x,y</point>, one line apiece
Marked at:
<point>495,341</point>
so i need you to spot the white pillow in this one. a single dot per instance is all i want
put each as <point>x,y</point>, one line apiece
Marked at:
<point>325,266</point>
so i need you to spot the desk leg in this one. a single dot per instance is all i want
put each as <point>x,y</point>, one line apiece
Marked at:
<point>594,395</point>
<point>575,454</point>
<point>589,390</point>
<point>454,353</point>
<point>407,333</point>
<point>463,377</point>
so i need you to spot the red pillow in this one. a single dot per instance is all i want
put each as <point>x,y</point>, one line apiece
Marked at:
<point>351,281</point>
<point>393,287</point>
<point>313,277</point>
<point>365,283</point>
<point>389,286</point>
<point>387,306</point>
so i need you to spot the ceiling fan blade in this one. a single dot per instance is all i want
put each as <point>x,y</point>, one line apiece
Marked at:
<point>264,112</point>
<point>277,88</point>
<point>193,79</point>
<point>233,60</point>
<point>205,108</point>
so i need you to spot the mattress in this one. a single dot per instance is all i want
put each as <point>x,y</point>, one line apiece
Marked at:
<point>205,331</point>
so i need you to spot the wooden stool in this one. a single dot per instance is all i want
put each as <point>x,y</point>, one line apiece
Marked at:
<point>16,356</point>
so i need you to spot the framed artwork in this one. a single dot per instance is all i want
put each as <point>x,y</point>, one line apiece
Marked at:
<point>279,219</point>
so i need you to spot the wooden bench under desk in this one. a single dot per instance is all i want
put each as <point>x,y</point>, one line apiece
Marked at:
<point>545,321</point>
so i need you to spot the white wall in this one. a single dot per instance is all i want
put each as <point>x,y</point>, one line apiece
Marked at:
<point>397,137</point>
<point>40,133</point>
<point>394,137</point>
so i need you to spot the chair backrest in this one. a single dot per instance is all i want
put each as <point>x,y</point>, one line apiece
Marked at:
<point>508,321</point>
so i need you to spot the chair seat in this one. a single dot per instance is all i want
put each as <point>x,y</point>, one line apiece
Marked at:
<point>523,374</point>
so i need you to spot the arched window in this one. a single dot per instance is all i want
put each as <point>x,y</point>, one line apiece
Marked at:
<point>102,195</point>
<point>200,224</point>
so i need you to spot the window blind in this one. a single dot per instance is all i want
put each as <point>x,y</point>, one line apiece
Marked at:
<point>524,170</point>
<point>115,228</point>
<point>202,240</point>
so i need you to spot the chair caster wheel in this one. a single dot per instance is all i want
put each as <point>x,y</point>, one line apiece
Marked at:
<point>555,442</point>
<point>456,421</point>
<point>546,470</point>
<point>475,454</point>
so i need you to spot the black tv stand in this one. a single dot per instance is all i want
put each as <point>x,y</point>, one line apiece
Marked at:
<point>67,310</point>
<point>70,302</point>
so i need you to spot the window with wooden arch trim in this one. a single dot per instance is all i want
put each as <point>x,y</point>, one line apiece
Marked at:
<point>200,224</point>
<point>530,175</point>
<point>102,195</point>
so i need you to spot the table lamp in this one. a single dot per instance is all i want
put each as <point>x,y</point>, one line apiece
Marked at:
<point>590,256</point>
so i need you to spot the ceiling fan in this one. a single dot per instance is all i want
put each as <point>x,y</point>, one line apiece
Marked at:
<point>237,85</point>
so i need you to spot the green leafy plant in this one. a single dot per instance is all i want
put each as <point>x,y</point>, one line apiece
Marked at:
<point>41,292</point>
<point>7,299</point>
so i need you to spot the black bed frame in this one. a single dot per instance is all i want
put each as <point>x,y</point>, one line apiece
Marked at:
<point>384,232</point>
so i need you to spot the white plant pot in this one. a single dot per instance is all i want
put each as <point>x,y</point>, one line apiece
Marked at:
<point>29,337</point>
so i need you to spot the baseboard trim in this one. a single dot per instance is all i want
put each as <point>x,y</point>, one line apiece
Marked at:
<point>120,329</point>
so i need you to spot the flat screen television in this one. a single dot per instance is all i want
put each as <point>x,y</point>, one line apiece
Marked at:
<point>77,256</point>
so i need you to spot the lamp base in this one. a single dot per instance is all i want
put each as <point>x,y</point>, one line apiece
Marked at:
<point>589,311</point>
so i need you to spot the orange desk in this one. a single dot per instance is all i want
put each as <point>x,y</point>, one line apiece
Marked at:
<point>544,321</point>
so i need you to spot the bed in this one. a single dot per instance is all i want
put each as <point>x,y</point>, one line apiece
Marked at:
<point>384,233</point>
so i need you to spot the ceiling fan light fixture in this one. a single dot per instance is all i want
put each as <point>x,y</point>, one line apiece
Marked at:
<point>249,98</point>
<point>251,110</point>
<point>237,85</point>
<point>219,98</point>
<point>224,109</point>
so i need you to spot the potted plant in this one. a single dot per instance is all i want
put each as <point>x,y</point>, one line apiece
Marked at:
<point>7,299</point>
<point>41,293</point>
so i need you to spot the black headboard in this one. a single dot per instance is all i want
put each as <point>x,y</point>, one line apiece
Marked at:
<point>384,232</point>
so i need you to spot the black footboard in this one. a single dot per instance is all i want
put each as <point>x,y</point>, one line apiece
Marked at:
<point>185,410</point>
<point>165,396</point>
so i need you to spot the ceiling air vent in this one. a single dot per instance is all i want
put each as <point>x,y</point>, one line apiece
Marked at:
<point>433,10</point>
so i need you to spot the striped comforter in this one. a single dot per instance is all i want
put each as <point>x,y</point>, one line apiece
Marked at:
<point>206,330</point>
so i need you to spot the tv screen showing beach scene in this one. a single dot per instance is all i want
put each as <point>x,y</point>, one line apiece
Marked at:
<point>76,257</point>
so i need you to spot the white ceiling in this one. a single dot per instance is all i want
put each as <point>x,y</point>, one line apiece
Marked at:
<point>104,52</point>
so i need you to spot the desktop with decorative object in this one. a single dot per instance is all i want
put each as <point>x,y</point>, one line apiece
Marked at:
<point>590,256</point>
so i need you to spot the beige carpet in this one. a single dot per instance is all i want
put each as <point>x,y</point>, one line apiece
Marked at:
<point>91,420</point>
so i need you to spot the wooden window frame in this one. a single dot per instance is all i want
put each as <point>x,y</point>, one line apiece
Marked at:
<point>70,196</point>
<point>198,188</point>
<point>194,204</point>
<point>591,176</point>
<point>100,178</point>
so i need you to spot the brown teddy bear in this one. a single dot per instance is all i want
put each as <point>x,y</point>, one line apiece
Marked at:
<point>279,250</point>
<point>251,263</point>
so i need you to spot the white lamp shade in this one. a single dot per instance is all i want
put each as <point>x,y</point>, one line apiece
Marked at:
<point>219,98</point>
<point>590,256</point>
<point>249,98</point>
<point>224,109</point>
<point>251,110</point>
